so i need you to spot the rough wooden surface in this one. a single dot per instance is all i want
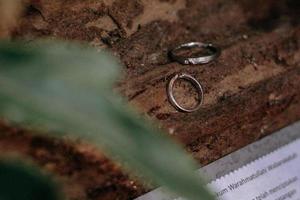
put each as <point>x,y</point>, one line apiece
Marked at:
<point>250,91</point>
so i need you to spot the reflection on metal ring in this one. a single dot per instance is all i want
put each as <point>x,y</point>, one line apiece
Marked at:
<point>204,59</point>
<point>195,83</point>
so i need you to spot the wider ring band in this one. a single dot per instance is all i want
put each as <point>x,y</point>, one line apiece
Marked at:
<point>195,83</point>
<point>215,52</point>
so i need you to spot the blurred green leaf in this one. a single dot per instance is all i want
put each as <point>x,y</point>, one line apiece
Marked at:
<point>65,88</point>
<point>74,65</point>
<point>19,181</point>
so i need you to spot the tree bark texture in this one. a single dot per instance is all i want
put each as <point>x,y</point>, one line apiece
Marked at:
<point>250,91</point>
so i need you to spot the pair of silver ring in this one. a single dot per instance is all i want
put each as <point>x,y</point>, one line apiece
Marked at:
<point>214,53</point>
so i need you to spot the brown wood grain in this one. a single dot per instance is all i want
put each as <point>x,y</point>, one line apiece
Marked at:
<point>250,91</point>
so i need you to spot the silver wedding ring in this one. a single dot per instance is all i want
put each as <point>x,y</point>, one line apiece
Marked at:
<point>195,83</point>
<point>214,52</point>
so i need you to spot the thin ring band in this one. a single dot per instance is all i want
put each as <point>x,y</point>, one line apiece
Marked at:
<point>195,83</point>
<point>195,60</point>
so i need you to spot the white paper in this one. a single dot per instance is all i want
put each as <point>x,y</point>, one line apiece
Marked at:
<point>275,176</point>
